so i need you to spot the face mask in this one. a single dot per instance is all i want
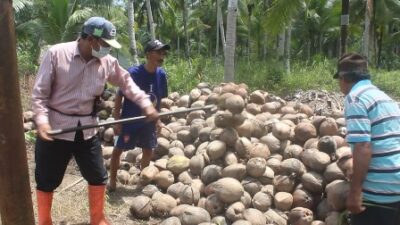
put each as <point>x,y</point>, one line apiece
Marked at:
<point>103,51</point>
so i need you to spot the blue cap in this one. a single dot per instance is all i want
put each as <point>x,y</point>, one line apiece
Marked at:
<point>101,28</point>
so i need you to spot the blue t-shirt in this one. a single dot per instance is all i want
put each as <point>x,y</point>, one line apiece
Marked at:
<point>372,116</point>
<point>154,84</point>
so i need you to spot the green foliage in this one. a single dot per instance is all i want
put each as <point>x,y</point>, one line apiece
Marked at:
<point>30,136</point>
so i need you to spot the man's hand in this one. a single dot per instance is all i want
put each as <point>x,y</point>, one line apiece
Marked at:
<point>354,202</point>
<point>43,130</point>
<point>117,129</point>
<point>151,113</point>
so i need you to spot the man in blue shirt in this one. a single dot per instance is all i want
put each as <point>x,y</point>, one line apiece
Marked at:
<point>152,79</point>
<point>373,131</point>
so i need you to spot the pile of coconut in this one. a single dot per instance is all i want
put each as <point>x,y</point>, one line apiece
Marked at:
<point>254,159</point>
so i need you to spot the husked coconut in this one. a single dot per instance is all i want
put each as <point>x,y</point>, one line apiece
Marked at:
<point>300,216</point>
<point>235,211</point>
<point>222,100</point>
<point>333,218</point>
<point>261,201</point>
<point>185,177</point>
<point>189,150</point>
<point>323,209</point>
<point>257,97</point>
<point>274,164</point>
<point>228,190</point>
<point>292,151</point>
<point>123,176</point>
<point>148,174</point>
<point>246,199</point>
<point>271,107</point>
<point>284,183</point>
<point>198,184</point>
<point>313,182</point>
<point>283,201</point>
<point>304,131</point>
<point>220,220</point>
<point>216,149</point>
<point>202,148</point>
<point>243,147</point>
<point>177,144</point>
<point>328,145</point>
<point>215,133</point>
<point>140,207</point>
<point>311,143</point>
<point>164,179</point>
<point>196,164</point>
<point>317,120</point>
<point>230,158</point>
<point>171,221</point>
<point>315,159</point>
<point>245,129</point>
<point>175,189</point>
<point>194,216</point>
<point>199,114</point>
<point>235,104</point>
<point>229,136</point>
<point>223,119</point>
<point>212,99</point>
<point>189,195</point>
<point>293,167</point>
<point>177,164</point>
<point>204,134</point>
<point>251,185</point>
<point>267,177</point>
<point>340,142</point>
<point>162,204</point>
<point>241,222</point>
<point>238,119</point>
<point>288,110</point>
<point>254,216</point>
<point>213,205</point>
<point>281,130</point>
<point>256,166</point>
<point>211,173</point>
<point>183,101</point>
<point>194,94</point>
<point>302,198</point>
<point>149,190</point>
<point>273,217</point>
<point>253,108</point>
<point>333,172</point>
<point>259,150</point>
<point>306,110</point>
<point>237,171</point>
<point>175,151</point>
<point>273,143</point>
<point>328,127</point>
<point>337,194</point>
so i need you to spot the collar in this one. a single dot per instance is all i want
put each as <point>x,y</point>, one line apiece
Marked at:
<point>360,84</point>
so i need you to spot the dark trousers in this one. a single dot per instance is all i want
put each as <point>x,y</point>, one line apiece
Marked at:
<point>52,158</point>
<point>374,215</point>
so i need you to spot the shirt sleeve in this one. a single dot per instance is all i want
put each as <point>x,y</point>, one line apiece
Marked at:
<point>121,78</point>
<point>42,89</point>
<point>358,123</point>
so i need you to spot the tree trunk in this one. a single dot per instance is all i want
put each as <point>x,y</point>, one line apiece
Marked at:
<point>367,28</point>
<point>287,48</point>
<point>185,27</point>
<point>281,44</point>
<point>217,26</point>
<point>229,74</point>
<point>151,21</point>
<point>131,31</point>
<point>265,44</point>
<point>15,198</point>
<point>344,22</point>
<point>221,27</point>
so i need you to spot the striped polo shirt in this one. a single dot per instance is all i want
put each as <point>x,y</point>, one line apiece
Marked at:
<point>372,116</point>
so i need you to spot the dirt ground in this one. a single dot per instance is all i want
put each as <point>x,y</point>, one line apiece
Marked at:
<point>70,205</point>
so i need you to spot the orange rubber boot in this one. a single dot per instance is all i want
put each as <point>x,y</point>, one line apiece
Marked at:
<point>44,200</point>
<point>96,205</point>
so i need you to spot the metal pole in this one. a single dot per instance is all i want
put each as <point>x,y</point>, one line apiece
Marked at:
<point>344,22</point>
<point>15,193</point>
<point>126,120</point>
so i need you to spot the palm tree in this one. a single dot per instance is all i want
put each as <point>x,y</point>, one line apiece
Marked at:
<point>131,32</point>
<point>151,21</point>
<point>230,41</point>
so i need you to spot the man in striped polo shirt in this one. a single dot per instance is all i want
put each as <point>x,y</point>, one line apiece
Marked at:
<point>373,131</point>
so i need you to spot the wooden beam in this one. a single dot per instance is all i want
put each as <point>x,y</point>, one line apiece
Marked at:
<point>15,198</point>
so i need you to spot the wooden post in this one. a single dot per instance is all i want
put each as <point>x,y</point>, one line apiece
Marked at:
<point>15,194</point>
